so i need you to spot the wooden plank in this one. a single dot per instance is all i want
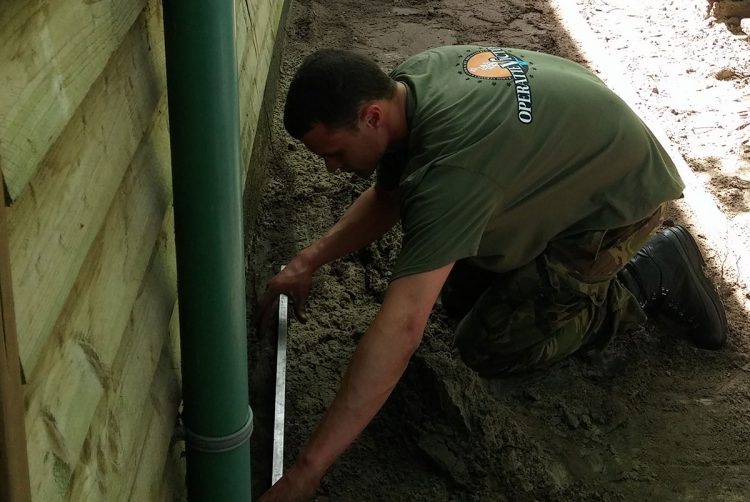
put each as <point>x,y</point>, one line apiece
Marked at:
<point>14,467</point>
<point>257,31</point>
<point>53,225</point>
<point>247,55</point>
<point>172,487</point>
<point>50,55</point>
<point>117,432</point>
<point>76,370</point>
<point>174,343</point>
<point>52,455</point>
<point>165,398</point>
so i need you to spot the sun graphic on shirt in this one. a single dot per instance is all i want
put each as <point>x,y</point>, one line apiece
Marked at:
<point>484,64</point>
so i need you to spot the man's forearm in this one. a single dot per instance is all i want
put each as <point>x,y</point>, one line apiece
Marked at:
<point>371,215</point>
<point>376,366</point>
<point>362,393</point>
<point>367,219</point>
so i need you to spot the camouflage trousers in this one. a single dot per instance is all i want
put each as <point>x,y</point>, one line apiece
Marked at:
<point>568,298</point>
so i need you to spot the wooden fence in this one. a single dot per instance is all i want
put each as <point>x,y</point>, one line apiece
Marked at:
<point>84,152</point>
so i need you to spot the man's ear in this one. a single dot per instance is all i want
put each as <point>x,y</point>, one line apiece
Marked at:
<point>371,115</point>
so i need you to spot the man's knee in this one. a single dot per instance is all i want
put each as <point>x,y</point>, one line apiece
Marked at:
<point>525,328</point>
<point>494,352</point>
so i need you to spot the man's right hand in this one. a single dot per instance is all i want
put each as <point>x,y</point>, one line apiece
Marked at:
<point>296,485</point>
<point>294,281</point>
<point>368,218</point>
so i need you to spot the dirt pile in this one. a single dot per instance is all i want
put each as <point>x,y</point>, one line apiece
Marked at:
<point>651,418</point>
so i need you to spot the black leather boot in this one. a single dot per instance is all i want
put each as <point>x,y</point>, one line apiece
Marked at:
<point>667,278</point>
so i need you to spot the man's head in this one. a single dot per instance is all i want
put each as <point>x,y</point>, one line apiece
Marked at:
<point>335,105</point>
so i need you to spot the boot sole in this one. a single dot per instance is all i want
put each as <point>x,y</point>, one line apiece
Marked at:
<point>688,249</point>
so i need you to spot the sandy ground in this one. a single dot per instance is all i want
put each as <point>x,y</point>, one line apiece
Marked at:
<point>654,418</point>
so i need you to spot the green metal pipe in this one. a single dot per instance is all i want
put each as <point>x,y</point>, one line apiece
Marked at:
<point>205,144</point>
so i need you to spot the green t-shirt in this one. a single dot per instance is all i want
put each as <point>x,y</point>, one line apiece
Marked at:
<point>509,149</point>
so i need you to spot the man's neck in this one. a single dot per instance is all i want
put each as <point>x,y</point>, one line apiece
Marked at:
<point>397,124</point>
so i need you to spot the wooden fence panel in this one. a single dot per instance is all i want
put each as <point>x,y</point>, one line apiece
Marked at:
<point>50,55</point>
<point>146,475</point>
<point>258,22</point>
<point>76,370</point>
<point>119,429</point>
<point>54,224</point>
<point>14,467</point>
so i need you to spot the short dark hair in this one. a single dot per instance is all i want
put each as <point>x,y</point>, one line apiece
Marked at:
<point>330,87</point>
